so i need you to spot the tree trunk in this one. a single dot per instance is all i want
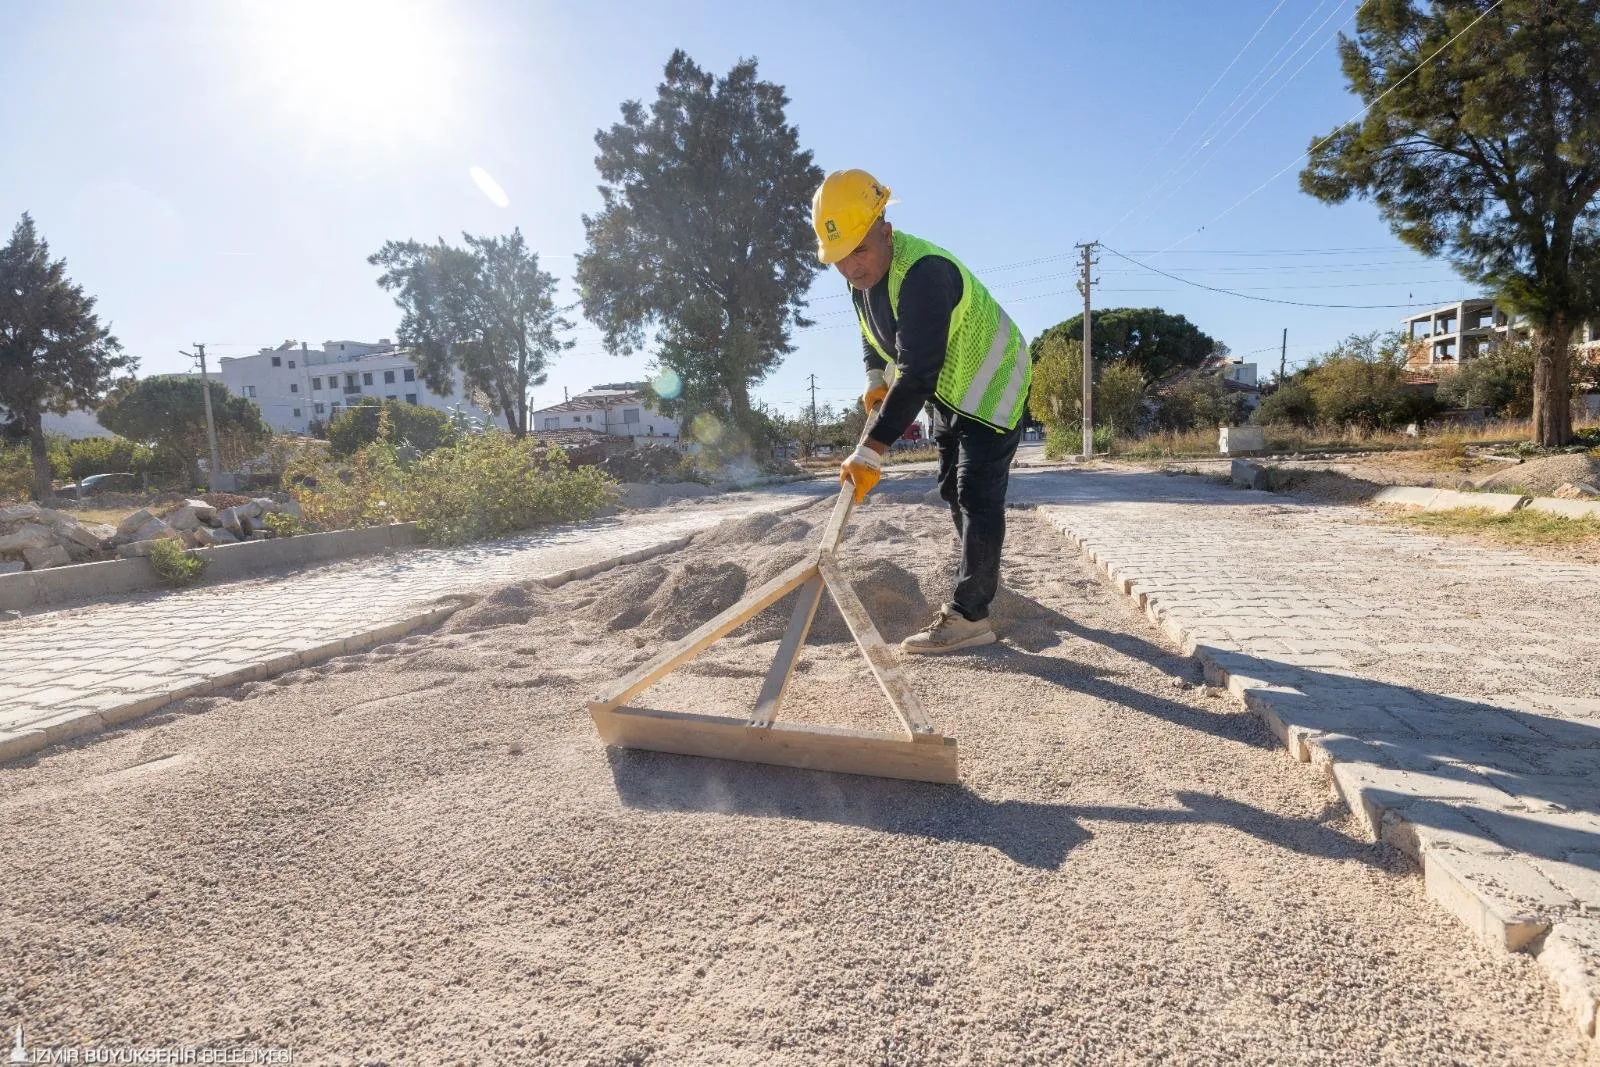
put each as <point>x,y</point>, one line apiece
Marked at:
<point>191,470</point>
<point>1552,384</point>
<point>40,451</point>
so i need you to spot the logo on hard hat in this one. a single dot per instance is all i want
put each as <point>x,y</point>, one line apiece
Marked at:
<point>832,228</point>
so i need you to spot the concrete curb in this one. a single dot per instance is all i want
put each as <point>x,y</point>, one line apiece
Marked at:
<point>1497,503</point>
<point>56,586</point>
<point>88,719</point>
<point>1567,509</point>
<point>1504,901</point>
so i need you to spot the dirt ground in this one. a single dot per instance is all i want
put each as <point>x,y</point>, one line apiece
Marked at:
<point>422,854</point>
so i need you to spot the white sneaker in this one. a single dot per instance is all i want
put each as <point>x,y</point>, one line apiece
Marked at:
<point>950,631</point>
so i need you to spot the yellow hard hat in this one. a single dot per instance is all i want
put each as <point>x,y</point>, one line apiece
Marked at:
<point>844,208</point>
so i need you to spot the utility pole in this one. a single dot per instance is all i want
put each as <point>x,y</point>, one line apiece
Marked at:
<point>1283,356</point>
<point>211,425</point>
<point>1085,286</point>
<point>812,446</point>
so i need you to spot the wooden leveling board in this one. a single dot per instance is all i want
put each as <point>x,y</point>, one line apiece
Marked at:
<point>915,751</point>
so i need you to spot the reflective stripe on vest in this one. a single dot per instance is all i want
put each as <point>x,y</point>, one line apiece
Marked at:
<point>987,367</point>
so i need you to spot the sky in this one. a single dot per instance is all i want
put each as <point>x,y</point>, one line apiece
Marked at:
<point>219,172</point>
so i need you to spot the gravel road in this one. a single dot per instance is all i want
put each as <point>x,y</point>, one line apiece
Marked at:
<point>423,855</point>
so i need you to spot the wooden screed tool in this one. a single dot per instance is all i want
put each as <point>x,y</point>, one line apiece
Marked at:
<point>916,751</point>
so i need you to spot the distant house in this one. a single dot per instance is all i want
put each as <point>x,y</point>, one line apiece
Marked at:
<point>1237,377</point>
<point>295,385</point>
<point>1446,337</point>
<point>624,409</point>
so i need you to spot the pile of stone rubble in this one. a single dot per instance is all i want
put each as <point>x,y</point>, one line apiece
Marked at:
<point>32,537</point>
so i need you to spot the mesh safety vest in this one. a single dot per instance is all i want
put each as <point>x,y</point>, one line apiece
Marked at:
<point>987,368</point>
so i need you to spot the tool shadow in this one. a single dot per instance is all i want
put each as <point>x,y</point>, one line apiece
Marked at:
<point>1033,834</point>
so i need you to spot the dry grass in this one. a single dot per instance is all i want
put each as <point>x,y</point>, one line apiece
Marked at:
<point>110,516</point>
<point>1523,528</point>
<point>1450,446</point>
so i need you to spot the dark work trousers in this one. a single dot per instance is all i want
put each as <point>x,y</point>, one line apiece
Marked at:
<point>974,470</point>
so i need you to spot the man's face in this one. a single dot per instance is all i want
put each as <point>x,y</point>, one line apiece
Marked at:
<point>866,266</point>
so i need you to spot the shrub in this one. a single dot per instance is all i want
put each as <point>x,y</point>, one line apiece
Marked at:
<point>422,428</point>
<point>175,566</point>
<point>282,524</point>
<point>16,472</point>
<point>491,485</point>
<point>1056,398</point>
<point>1288,405</point>
<point>480,487</point>
<point>1361,384</point>
<point>1199,402</point>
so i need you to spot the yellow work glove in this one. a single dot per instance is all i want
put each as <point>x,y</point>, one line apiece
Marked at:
<point>862,469</point>
<point>877,389</point>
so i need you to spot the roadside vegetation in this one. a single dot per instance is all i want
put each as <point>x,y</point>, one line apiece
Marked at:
<point>1524,528</point>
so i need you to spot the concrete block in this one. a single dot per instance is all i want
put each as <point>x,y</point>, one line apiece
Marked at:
<point>12,566</point>
<point>1567,509</point>
<point>1571,956</point>
<point>1414,496</point>
<point>131,523</point>
<point>1248,475</point>
<point>28,535</point>
<point>1502,899</point>
<point>44,558</point>
<point>19,513</point>
<point>1232,440</point>
<point>1495,503</point>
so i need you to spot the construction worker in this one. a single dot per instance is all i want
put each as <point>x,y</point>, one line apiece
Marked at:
<point>931,334</point>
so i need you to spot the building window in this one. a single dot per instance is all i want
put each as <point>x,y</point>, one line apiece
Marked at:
<point>388,377</point>
<point>297,413</point>
<point>411,398</point>
<point>630,416</point>
<point>552,424</point>
<point>250,391</point>
<point>319,408</point>
<point>411,374</point>
<point>349,379</point>
<point>588,418</point>
<point>294,387</point>
<point>575,418</point>
<point>291,362</point>
<point>277,361</point>
<point>316,384</point>
<point>366,379</point>
<point>391,396</point>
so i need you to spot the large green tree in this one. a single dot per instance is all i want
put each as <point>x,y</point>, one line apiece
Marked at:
<point>167,412</point>
<point>54,353</point>
<point>1481,144</point>
<point>1155,341</point>
<point>704,233</point>
<point>486,308</point>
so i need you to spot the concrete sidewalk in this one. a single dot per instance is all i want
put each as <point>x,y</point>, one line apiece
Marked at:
<point>75,671</point>
<point>1451,691</point>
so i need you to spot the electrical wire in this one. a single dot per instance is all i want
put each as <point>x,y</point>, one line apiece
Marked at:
<point>1247,296</point>
<point>1358,115</point>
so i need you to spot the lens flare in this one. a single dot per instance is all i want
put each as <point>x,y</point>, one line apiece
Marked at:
<point>667,385</point>
<point>489,187</point>
<point>707,428</point>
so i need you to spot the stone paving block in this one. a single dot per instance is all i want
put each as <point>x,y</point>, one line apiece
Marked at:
<point>1502,899</point>
<point>1571,955</point>
<point>1425,824</point>
<point>1550,835</point>
<point>1369,789</point>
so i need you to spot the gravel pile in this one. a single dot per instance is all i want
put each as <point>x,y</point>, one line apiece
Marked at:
<point>1543,476</point>
<point>422,854</point>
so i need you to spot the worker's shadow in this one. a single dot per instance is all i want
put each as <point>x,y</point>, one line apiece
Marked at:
<point>1030,833</point>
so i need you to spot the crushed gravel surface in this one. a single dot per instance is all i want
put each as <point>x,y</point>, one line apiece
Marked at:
<point>422,854</point>
<point>1546,474</point>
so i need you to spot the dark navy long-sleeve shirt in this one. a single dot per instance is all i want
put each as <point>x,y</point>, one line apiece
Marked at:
<point>917,339</point>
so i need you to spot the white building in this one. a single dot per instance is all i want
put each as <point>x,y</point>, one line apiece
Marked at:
<point>624,409</point>
<point>295,384</point>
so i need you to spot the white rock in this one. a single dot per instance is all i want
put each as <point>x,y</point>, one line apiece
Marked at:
<point>19,513</point>
<point>78,535</point>
<point>265,505</point>
<point>206,512</point>
<point>136,548</point>
<point>221,537</point>
<point>187,518</point>
<point>52,556</point>
<point>154,530</point>
<point>29,535</point>
<point>231,520</point>
<point>131,523</point>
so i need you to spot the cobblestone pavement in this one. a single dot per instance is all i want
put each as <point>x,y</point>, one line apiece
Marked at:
<point>1451,691</point>
<point>74,671</point>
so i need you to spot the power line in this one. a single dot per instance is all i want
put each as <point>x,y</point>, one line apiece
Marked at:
<point>1358,115</point>
<point>1247,296</point>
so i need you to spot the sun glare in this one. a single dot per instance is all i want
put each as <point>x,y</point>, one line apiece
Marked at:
<point>489,187</point>
<point>363,72</point>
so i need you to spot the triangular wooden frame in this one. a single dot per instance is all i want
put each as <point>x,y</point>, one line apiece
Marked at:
<point>917,752</point>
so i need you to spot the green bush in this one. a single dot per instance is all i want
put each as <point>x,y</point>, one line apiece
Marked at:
<point>282,524</point>
<point>491,485</point>
<point>1288,405</point>
<point>480,487</point>
<point>175,566</point>
<point>422,428</point>
<point>16,472</point>
<point>1361,384</point>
